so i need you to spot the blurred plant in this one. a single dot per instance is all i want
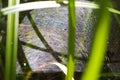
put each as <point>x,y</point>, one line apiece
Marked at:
<point>97,53</point>
<point>11,43</point>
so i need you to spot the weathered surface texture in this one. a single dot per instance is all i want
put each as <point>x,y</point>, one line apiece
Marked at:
<point>53,24</point>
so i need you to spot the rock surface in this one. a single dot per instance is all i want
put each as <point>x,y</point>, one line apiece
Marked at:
<point>53,24</point>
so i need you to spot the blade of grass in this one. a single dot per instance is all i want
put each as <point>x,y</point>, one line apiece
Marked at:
<point>25,66</point>
<point>11,43</point>
<point>71,39</point>
<point>114,10</point>
<point>35,5</point>
<point>97,54</point>
<point>44,4</point>
<point>62,67</point>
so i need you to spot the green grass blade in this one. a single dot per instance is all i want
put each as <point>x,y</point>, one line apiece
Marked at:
<point>44,4</point>
<point>71,39</point>
<point>11,43</point>
<point>97,54</point>
<point>114,10</point>
<point>27,6</point>
<point>62,67</point>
